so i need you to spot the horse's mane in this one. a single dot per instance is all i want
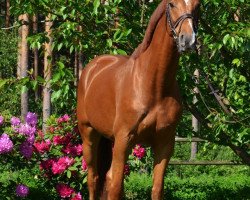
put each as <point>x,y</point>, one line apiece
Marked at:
<point>156,16</point>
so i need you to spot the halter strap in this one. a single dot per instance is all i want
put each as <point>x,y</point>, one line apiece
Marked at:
<point>174,25</point>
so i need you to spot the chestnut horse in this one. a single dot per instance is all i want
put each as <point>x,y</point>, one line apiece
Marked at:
<point>127,100</point>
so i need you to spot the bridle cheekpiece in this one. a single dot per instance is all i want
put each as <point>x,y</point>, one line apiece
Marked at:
<point>174,25</point>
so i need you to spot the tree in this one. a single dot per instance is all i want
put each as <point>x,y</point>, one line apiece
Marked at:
<point>23,60</point>
<point>7,14</point>
<point>35,53</point>
<point>47,71</point>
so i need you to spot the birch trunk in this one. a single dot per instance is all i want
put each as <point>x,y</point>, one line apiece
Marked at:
<point>23,61</point>
<point>195,122</point>
<point>47,72</point>
<point>36,57</point>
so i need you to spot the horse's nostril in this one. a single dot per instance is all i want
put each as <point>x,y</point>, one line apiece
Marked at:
<point>182,40</point>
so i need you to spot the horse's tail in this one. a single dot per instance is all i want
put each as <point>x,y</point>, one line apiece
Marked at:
<point>104,163</point>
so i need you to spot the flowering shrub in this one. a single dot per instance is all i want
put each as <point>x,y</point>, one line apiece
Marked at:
<point>140,160</point>
<point>16,149</point>
<point>58,153</point>
<point>22,133</point>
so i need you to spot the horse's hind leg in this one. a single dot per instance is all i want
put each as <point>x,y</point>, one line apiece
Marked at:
<point>162,154</point>
<point>91,140</point>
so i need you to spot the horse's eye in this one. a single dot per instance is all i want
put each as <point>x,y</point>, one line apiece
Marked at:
<point>171,5</point>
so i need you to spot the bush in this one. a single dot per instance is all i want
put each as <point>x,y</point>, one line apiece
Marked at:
<point>33,160</point>
<point>233,187</point>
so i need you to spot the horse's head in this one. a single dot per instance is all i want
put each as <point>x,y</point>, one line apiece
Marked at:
<point>182,17</point>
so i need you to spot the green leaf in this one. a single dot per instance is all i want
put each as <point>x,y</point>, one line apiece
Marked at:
<point>56,77</point>
<point>24,89</point>
<point>69,174</point>
<point>121,52</point>
<point>55,95</point>
<point>109,42</point>
<point>226,38</point>
<point>71,49</point>
<point>60,64</point>
<point>96,6</point>
<point>59,46</point>
<point>3,82</point>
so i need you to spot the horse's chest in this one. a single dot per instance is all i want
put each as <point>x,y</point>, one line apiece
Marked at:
<point>163,116</point>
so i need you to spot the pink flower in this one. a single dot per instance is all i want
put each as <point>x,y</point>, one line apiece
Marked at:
<point>64,118</point>
<point>57,140</point>
<point>62,164</point>
<point>1,120</point>
<point>84,165</point>
<point>46,164</point>
<point>73,150</point>
<point>126,169</point>
<point>43,146</point>
<point>139,151</point>
<point>77,196</point>
<point>15,121</point>
<point>64,190</point>
<point>62,140</point>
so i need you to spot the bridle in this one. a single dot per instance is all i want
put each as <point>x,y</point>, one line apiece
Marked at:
<point>174,25</point>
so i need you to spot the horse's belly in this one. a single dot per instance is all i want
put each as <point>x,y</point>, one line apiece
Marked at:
<point>100,108</point>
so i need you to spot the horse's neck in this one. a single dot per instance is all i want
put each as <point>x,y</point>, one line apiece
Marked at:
<point>158,64</point>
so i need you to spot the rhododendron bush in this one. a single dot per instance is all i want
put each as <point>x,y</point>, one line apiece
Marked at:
<point>57,153</point>
<point>60,156</point>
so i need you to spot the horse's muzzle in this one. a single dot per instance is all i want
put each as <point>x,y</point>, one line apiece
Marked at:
<point>186,42</point>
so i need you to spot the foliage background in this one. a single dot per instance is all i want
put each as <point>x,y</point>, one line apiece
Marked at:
<point>117,27</point>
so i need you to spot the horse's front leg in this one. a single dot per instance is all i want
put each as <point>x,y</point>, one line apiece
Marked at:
<point>90,148</point>
<point>116,172</point>
<point>163,149</point>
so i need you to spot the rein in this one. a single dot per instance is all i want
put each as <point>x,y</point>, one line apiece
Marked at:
<point>174,25</point>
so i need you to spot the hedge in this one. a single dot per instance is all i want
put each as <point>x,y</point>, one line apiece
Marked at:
<point>233,187</point>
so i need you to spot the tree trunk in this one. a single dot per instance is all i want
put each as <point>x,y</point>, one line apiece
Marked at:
<point>80,63</point>
<point>195,122</point>
<point>23,56</point>
<point>7,14</point>
<point>76,67</point>
<point>47,72</point>
<point>19,46</point>
<point>36,57</point>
